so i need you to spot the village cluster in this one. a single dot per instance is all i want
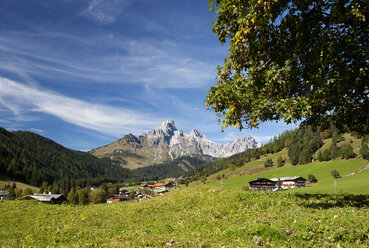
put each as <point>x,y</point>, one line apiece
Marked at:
<point>147,191</point>
<point>139,194</point>
<point>143,192</point>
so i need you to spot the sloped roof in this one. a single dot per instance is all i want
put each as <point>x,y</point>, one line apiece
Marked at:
<point>4,193</point>
<point>260,179</point>
<point>43,197</point>
<point>285,178</point>
<point>117,197</point>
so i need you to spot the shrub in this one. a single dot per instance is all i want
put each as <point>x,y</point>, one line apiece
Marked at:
<point>335,174</point>
<point>312,178</point>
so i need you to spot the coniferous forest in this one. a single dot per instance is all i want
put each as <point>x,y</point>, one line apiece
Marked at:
<point>34,159</point>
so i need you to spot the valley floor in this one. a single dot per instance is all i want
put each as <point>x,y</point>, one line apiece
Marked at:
<point>194,216</point>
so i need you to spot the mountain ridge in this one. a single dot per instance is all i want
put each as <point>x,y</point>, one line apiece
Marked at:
<point>165,143</point>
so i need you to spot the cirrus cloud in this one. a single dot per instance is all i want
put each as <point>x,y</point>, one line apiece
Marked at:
<point>20,98</point>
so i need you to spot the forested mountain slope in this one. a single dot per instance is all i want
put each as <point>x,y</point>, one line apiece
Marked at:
<point>34,159</point>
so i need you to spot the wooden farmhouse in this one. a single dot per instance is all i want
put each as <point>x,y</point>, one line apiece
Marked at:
<point>291,182</point>
<point>117,198</point>
<point>161,186</point>
<point>262,183</point>
<point>272,184</point>
<point>47,198</point>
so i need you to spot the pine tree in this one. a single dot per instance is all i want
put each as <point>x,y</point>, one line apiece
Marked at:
<point>325,155</point>
<point>364,151</point>
<point>320,156</point>
<point>82,196</point>
<point>269,163</point>
<point>12,192</point>
<point>333,151</point>
<point>280,161</point>
<point>105,188</point>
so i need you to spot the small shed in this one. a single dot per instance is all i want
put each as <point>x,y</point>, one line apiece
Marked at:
<point>3,195</point>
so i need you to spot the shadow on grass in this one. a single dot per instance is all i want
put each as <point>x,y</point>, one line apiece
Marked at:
<point>325,201</point>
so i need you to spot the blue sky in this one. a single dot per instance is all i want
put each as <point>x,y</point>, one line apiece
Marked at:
<point>87,72</point>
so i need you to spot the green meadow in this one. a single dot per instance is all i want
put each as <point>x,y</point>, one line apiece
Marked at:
<point>195,216</point>
<point>355,184</point>
<point>4,180</point>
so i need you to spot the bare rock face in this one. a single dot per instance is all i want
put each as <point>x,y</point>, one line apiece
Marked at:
<point>166,142</point>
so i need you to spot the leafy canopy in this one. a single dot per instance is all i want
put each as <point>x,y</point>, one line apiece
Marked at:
<point>292,60</point>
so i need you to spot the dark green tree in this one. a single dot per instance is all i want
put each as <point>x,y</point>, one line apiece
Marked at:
<point>82,196</point>
<point>333,151</point>
<point>27,191</point>
<point>105,188</point>
<point>12,193</point>
<point>97,196</point>
<point>312,178</point>
<point>335,174</point>
<point>72,196</point>
<point>325,155</point>
<point>269,163</point>
<point>280,161</point>
<point>292,60</point>
<point>346,151</point>
<point>364,151</point>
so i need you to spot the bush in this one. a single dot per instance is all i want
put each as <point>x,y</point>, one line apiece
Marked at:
<point>335,174</point>
<point>312,178</point>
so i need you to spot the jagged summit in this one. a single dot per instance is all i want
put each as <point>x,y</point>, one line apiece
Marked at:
<point>167,143</point>
<point>168,124</point>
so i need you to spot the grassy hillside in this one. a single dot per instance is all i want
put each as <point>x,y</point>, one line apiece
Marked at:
<point>357,184</point>
<point>254,166</point>
<point>197,216</point>
<point>19,185</point>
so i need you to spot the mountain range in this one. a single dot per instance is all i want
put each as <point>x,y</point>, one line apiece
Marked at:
<point>166,143</point>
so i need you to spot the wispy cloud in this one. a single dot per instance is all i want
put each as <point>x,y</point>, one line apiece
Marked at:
<point>110,59</point>
<point>101,118</point>
<point>104,12</point>
<point>36,130</point>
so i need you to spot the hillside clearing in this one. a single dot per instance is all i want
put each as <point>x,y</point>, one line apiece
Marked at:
<point>356,184</point>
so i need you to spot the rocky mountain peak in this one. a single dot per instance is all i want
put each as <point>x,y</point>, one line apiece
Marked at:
<point>168,125</point>
<point>196,133</point>
<point>130,138</point>
<point>167,143</point>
